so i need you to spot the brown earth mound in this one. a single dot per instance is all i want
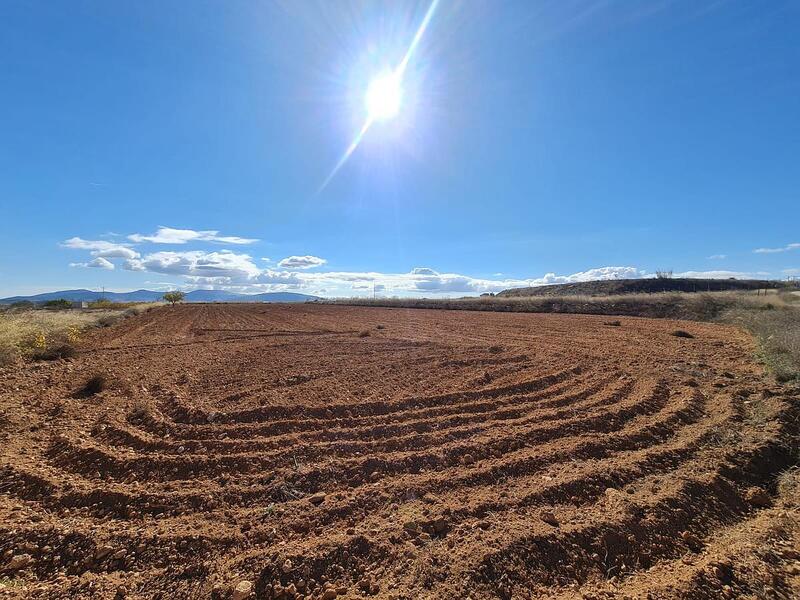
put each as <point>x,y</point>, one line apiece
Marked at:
<point>246,451</point>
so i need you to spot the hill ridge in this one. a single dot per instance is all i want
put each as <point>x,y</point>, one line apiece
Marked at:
<point>611,287</point>
<point>143,295</point>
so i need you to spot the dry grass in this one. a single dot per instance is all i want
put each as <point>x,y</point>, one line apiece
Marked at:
<point>778,334</point>
<point>789,484</point>
<point>47,334</point>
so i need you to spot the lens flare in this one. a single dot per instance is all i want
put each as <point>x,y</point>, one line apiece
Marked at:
<point>384,95</point>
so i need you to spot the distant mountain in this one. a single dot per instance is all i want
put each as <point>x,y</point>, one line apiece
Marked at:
<point>150,296</point>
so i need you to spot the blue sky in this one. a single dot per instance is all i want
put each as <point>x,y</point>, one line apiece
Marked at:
<point>184,144</point>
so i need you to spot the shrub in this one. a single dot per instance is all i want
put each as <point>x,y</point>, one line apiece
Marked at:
<point>108,320</point>
<point>9,353</point>
<point>174,297</point>
<point>59,304</point>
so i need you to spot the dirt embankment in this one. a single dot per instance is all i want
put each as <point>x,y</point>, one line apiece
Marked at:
<point>307,451</point>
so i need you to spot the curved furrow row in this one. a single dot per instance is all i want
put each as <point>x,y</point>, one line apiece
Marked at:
<point>341,439</point>
<point>187,414</point>
<point>320,452</point>
<point>81,456</point>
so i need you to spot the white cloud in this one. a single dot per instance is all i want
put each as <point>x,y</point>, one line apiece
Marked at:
<point>97,263</point>
<point>424,280</point>
<point>235,271</point>
<point>118,252</point>
<point>101,248</point>
<point>785,248</point>
<point>723,274</point>
<point>133,265</point>
<point>429,280</point>
<point>170,235</point>
<point>599,273</point>
<point>271,277</point>
<point>718,257</point>
<point>196,263</point>
<point>301,262</point>
<point>226,269</point>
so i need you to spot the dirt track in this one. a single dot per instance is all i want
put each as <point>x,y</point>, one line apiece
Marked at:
<point>332,451</point>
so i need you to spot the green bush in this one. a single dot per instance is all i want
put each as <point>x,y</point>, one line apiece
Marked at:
<point>61,303</point>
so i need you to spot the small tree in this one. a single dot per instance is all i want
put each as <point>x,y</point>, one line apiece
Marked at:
<point>174,297</point>
<point>58,304</point>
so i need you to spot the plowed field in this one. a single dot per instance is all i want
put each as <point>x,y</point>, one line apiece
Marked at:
<point>337,452</point>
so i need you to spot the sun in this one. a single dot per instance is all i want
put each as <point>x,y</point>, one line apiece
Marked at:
<point>384,96</point>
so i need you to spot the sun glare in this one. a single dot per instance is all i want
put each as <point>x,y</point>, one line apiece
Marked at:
<point>384,96</point>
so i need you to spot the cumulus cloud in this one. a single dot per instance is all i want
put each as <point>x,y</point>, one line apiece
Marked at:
<point>236,271</point>
<point>118,252</point>
<point>599,273</point>
<point>377,287</point>
<point>133,265</point>
<point>271,277</point>
<point>301,262</point>
<point>723,274</point>
<point>170,235</point>
<point>785,248</point>
<point>718,257</point>
<point>101,248</point>
<point>428,280</point>
<point>97,263</point>
<point>226,269</point>
<point>424,280</point>
<point>197,263</point>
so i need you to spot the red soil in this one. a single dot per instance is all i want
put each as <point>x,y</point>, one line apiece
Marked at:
<point>330,451</point>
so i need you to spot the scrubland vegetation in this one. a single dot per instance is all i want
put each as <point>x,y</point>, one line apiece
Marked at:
<point>48,333</point>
